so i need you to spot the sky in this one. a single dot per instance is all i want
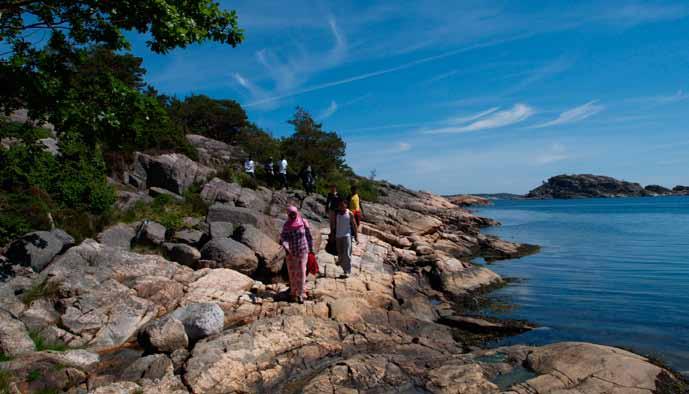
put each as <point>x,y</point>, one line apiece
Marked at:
<point>462,96</point>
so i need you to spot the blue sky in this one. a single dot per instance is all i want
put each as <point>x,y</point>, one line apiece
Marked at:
<point>463,96</point>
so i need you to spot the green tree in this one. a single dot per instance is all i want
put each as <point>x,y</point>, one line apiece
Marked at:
<point>217,119</point>
<point>311,145</point>
<point>258,143</point>
<point>49,78</point>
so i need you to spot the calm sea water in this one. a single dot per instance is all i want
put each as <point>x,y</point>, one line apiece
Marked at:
<point>611,271</point>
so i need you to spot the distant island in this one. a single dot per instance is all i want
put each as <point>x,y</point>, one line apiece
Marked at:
<point>592,186</point>
<point>579,186</point>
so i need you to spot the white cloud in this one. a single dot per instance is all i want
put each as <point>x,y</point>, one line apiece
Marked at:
<point>575,114</point>
<point>248,85</point>
<point>680,95</point>
<point>328,112</point>
<point>516,114</point>
<point>378,73</point>
<point>556,152</point>
<point>466,119</point>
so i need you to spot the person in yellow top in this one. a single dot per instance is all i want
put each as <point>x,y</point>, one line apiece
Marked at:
<point>355,206</point>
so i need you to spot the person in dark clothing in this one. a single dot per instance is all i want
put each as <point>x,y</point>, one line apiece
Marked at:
<point>268,167</point>
<point>308,179</point>
<point>332,204</point>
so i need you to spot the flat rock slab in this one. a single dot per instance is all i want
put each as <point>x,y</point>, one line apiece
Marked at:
<point>221,286</point>
<point>97,287</point>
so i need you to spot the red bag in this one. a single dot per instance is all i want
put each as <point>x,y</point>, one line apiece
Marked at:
<point>312,265</point>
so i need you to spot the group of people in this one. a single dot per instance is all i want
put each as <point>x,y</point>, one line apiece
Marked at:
<point>272,169</point>
<point>344,215</point>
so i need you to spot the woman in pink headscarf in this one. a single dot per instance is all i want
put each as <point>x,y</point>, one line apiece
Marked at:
<point>297,241</point>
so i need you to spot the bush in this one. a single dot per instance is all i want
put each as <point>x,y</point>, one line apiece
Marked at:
<point>23,212</point>
<point>166,210</point>
<point>368,190</point>
<point>22,131</point>
<point>239,177</point>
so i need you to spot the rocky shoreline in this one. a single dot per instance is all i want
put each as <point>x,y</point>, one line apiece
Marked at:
<point>143,309</point>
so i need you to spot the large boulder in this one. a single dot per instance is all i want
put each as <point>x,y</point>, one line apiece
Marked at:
<point>217,190</point>
<point>118,236</point>
<point>151,233</point>
<point>228,253</point>
<point>460,279</point>
<point>35,249</point>
<point>215,153</point>
<point>192,237</point>
<point>239,215</point>
<point>200,320</point>
<point>269,251</point>
<point>220,229</point>
<point>164,335</point>
<point>174,172</point>
<point>181,253</point>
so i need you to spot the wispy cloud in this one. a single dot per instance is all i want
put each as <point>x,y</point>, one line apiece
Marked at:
<point>466,119</point>
<point>556,152</point>
<point>635,13</point>
<point>329,111</point>
<point>490,119</point>
<point>381,72</point>
<point>680,95</point>
<point>543,72</point>
<point>293,65</point>
<point>575,114</point>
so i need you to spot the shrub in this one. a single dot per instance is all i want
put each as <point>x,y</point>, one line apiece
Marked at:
<point>368,190</point>
<point>23,212</point>
<point>166,210</point>
<point>5,381</point>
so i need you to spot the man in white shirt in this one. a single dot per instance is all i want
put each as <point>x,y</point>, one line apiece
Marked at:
<point>345,230</point>
<point>283,172</point>
<point>250,167</point>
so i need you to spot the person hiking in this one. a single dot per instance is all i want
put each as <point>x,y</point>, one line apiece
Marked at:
<point>345,230</point>
<point>270,173</point>
<point>250,167</point>
<point>298,243</point>
<point>308,179</point>
<point>332,204</point>
<point>355,206</point>
<point>283,172</point>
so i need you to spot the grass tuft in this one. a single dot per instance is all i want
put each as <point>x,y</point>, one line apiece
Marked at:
<point>42,289</point>
<point>41,344</point>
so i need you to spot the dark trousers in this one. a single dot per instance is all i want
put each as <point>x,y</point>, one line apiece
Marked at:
<point>283,180</point>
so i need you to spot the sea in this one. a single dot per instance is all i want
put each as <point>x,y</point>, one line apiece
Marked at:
<point>610,271</point>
